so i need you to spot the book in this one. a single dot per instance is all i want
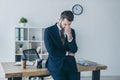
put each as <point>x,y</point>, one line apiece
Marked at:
<point>16,34</point>
<point>19,34</point>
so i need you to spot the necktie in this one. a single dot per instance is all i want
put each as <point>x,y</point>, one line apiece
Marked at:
<point>62,36</point>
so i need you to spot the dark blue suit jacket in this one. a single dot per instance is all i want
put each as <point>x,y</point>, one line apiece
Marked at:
<point>57,51</point>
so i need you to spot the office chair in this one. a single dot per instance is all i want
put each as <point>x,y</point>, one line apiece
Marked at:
<point>32,55</point>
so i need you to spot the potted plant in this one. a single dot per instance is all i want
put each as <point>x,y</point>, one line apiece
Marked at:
<point>20,47</point>
<point>23,21</point>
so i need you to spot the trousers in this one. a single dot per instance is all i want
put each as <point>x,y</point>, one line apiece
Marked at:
<point>68,71</point>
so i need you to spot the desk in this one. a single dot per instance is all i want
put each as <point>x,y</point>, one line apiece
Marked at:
<point>11,71</point>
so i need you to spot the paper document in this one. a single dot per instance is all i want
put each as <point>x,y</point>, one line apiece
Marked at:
<point>28,63</point>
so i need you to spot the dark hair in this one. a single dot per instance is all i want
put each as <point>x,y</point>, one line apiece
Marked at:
<point>68,15</point>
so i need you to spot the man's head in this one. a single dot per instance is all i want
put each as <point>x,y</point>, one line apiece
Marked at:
<point>67,15</point>
<point>66,18</point>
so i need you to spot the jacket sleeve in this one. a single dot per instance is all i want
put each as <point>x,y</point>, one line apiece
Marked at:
<point>48,42</point>
<point>72,45</point>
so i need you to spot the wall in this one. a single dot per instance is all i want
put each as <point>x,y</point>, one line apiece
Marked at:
<point>97,29</point>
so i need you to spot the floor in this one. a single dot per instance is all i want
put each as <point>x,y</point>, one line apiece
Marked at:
<point>87,78</point>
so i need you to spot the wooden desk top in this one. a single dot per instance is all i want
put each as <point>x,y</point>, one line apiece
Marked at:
<point>15,71</point>
<point>91,67</point>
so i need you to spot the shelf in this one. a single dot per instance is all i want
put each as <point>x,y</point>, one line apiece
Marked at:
<point>31,38</point>
<point>35,41</point>
<point>18,54</point>
<point>23,41</point>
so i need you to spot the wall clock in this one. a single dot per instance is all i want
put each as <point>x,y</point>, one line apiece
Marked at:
<point>77,9</point>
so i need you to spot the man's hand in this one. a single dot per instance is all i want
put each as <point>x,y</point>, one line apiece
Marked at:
<point>68,32</point>
<point>71,54</point>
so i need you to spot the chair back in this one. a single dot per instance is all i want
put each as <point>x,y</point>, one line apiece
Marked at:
<point>30,54</point>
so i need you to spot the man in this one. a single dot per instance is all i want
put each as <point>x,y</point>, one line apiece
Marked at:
<point>61,45</point>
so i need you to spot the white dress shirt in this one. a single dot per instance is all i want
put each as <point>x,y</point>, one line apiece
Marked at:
<point>64,32</point>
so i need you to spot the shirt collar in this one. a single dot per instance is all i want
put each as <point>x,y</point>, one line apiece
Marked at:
<point>58,26</point>
<point>60,29</point>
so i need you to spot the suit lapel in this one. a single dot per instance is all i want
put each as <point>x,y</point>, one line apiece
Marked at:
<point>56,35</point>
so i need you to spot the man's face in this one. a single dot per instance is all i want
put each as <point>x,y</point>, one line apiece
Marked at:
<point>65,23</point>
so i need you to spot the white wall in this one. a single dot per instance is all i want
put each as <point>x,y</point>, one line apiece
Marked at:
<point>97,29</point>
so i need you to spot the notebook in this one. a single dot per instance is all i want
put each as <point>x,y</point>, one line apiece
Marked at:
<point>28,63</point>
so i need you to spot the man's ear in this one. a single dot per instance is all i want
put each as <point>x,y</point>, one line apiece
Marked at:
<point>60,20</point>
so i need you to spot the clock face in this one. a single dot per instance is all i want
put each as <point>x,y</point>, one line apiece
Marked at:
<point>77,9</point>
